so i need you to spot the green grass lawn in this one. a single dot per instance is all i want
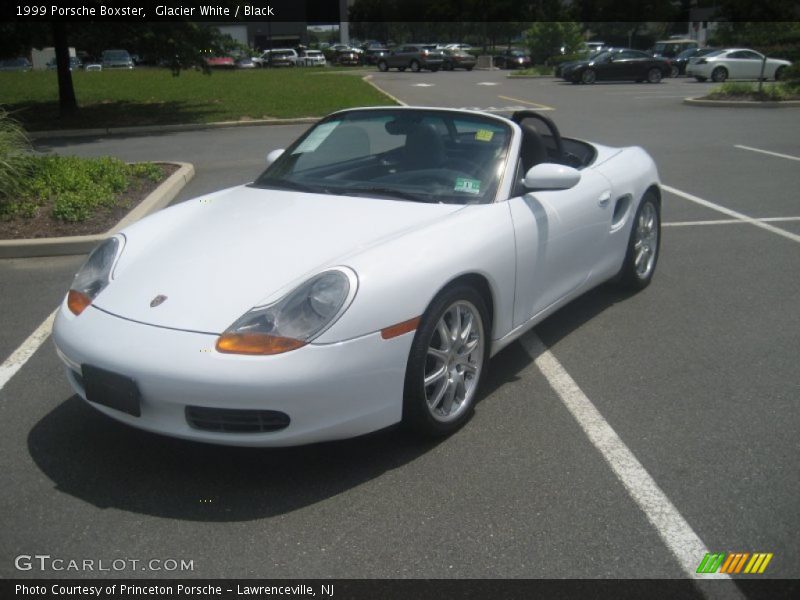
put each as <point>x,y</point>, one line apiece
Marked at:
<point>154,97</point>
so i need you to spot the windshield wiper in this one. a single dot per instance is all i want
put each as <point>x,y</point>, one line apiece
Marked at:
<point>291,185</point>
<point>384,191</point>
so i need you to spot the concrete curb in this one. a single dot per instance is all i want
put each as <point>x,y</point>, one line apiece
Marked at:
<point>178,127</point>
<point>741,103</point>
<point>82,244</point>
<point>368,79</point>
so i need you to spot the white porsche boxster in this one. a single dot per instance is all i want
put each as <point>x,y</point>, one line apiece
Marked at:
<point>364,279</point>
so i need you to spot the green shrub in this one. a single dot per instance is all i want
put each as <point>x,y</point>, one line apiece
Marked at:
<point>76,188</point>
<point>150,171</point>
<point>749,91</point>
<point>14,158</point>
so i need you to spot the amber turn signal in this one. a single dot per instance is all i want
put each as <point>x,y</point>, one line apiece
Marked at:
<point>400,328</point>
<point>77,301</point>
<point>256,343</point>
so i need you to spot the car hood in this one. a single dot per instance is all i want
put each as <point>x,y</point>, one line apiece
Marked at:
<point>217,256</point>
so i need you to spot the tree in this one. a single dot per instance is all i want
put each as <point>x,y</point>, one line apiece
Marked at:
<point>546,39</point>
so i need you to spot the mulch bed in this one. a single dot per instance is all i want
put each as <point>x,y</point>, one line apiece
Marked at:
<point>43,225</point>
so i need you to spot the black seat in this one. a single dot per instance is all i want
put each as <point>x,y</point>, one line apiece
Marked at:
<point>533,150</point>
<point>424,148</point>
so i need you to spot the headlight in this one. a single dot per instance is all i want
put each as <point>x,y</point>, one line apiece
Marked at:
<point>294,320</point>
<point>94,275</point>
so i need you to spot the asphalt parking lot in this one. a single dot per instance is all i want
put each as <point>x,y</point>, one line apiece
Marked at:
<point>697,377</point>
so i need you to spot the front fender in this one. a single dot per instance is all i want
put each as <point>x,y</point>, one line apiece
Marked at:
<point>399,278</point>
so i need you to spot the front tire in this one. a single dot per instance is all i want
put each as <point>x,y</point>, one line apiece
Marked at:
<point>674,71</point>
<point>719,75</point>
<point>644,245</point>
<point>588,76</point>
<point>414,66</point>
<point>447,361</point>
<point>780,73</point>
<point>382,66</point>
<point>700,79</point>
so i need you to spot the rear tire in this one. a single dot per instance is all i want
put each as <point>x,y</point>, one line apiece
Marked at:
<point>654,76</point>
<point>451,351</point>
<point>644,245</point>
<point>719,75</point>
<point>674,71</point>
<point>414,66</point>
<point>382,66</point>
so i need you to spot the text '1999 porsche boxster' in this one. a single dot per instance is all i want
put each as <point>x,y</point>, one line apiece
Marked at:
<point>364,279</point>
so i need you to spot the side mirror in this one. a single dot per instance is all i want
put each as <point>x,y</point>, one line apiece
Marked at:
<point>550,176</point>
<point>274,155</point>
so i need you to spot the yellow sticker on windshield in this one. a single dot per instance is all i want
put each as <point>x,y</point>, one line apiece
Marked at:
<point>484,135</point>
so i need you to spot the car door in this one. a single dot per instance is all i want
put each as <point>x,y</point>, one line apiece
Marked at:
<point>743,64</point>
<point>752,64</point>
<point>560,238</point>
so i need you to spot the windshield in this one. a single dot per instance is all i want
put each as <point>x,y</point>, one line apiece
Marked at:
<point>416,155</point>
<point>116,55</point>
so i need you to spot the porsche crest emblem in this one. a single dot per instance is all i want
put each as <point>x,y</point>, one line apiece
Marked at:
<point>157,301</point>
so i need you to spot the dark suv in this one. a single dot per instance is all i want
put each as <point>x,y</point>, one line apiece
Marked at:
<point>412,56</point>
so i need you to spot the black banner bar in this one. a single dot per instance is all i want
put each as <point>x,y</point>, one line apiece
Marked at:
<point>383,11</point>
<point>399,589</point>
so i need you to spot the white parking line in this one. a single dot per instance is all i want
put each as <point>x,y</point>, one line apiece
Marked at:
<point>728,222</point>
<point>673,529</point>
<point>533,104</point>
<point>778,154</point>
<point>21,355</point>
<point>732,213</point>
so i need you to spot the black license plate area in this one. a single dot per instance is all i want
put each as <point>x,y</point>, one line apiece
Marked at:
<point>111,389</point>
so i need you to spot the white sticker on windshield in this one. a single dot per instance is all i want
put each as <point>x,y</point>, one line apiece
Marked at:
<point>316,137</point>
<point>470,186</point>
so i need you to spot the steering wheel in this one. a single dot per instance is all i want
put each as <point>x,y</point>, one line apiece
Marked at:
<point>521,115</point>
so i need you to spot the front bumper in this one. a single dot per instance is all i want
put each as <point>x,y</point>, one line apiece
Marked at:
<point>331,391</point>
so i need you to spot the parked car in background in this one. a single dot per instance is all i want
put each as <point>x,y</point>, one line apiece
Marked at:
<point>672,47</point>
<point>512,59</point>
<point>347,57</point>
<point>683,59</point>
<point>221,62</point>
<point>282,57</point>
<point>595,46</point>
<point>74,64</point>
<point>619,64</point>
<point>116,59</point>
<point>457,59</point>
<point>736,63</point>
<point>568,66</point>
<point>245,62</point>
<point>374,53</point>
<point>458,47</point>
<point>15,64</point>
<point>412,56</point>
<point>311,58</point>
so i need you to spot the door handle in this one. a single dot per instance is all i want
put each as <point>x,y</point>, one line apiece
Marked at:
<point>604,199</point>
